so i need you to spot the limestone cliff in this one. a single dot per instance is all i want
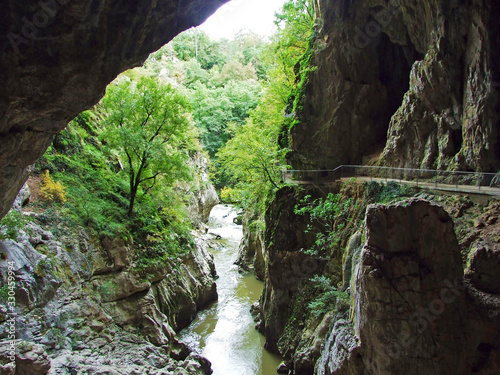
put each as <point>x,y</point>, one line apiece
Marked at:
<point>82,306</point>
<point>203,194</point>
<point>421,284</point>
<point>413,311</point>
<point>251,250</point>
<point>56,58</point>
<point>402,83</point>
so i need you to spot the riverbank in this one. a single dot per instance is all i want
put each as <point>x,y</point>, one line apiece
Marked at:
<point>225,333</point>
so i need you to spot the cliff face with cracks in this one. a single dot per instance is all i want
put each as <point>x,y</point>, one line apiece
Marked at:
<point>402,83</point>
<point>420,291</point>
<point>82,306</point>
<point>56,58</point>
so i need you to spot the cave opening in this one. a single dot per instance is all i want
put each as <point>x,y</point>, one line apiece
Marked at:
<point>394,67</point>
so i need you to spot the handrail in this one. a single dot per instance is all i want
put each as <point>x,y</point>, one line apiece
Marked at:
<point>389,168</point>
<point>440,178</point>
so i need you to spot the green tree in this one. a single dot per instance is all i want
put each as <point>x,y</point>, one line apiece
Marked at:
<point>252,158</point>
<point>197,45</point>
<point>295,24</point>
<point>215,109</point>
<point>148,124</point>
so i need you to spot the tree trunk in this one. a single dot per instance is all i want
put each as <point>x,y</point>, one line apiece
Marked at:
<point>133,193</point>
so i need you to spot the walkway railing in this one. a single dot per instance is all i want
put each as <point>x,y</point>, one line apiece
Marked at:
<point>472,181</point>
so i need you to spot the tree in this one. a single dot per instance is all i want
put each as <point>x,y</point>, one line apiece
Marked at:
<point>147,123</point>
<point>214,109</point>
<point>252,158</point>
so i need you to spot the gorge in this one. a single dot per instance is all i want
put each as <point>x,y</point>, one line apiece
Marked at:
<point>407,282</point>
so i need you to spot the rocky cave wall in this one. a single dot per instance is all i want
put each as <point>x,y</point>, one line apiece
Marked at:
<point>404,84</point>
<point>83,305</point>
<point>56,58</point>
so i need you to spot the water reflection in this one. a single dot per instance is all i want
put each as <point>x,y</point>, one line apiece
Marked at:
<point>225,332</point>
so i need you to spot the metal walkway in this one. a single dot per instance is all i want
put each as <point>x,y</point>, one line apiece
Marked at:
<point>452,181</point>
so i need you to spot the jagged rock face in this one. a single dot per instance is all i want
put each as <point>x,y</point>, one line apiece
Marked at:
<point>56,58</point>
<point>251,251</point>
<point>413,313</point>
<point>286,265</point>
<point>409,300</point>
<point>407,83</point>
<point>77,296</point>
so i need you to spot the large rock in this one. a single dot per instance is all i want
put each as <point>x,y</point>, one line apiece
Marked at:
<point>416,80</point>
<point>410,313</point>
<point>251,251</point>
<point>73,308</point>
<point>409,304</point>
<point>202,191</point>
<point>56,58</point>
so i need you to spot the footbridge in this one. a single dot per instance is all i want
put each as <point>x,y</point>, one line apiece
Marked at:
<point>451,181</point>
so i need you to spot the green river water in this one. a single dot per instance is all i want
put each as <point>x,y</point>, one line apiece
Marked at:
<point>224,333</point>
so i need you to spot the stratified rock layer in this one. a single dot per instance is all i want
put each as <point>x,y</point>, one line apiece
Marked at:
<point>406,83</point>
<point>81,304</point>
<point>413,313</point>
<point>409,303</point>
<point>56,58</point>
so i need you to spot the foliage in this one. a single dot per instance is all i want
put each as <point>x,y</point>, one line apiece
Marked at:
<point>147,124</point>
<point>327,217</point>
<point>328,296</point>
<point>196,45</point>
<point>228,195</point>
<point>108,290</point>
<point>4,293</point>
<point>386,193</point>
<point>51,190</point>
<point>11,224</point>
<point>215,109</point>
<point>124,163</point>
<point>251,160</point>
<point>93,167</point>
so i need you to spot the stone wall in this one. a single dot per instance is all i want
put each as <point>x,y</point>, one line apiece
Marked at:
<point>403,84</point>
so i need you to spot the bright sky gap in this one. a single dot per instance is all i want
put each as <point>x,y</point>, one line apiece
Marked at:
<point>238,15</point>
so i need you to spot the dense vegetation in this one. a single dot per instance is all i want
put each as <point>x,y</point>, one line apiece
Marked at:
<point>125,168</point>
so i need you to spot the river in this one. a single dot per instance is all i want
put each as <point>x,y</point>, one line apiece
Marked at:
<point>224,333</point>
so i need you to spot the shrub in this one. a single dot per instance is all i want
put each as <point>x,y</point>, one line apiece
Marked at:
<point>385,193</point>
<point>328,299</point>
<point>108,290</point>
<point>51,190</point>
<point>11,224</point>
<point>227,195</point>
<point>324,217</point>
